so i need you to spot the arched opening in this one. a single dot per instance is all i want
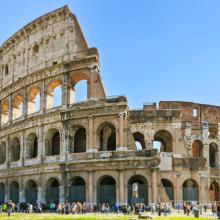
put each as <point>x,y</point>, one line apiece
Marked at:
<point>168,186</point>
<point>197,149</point>
<point>17,107</point>
<point>15,149</point>
<point>213,154</point>
<point>34,100</point>
<point>52,191</point>
<point>163,140</point>
<point>106,190</point>
<point>31,146</point>
<point>107,137</point>
<point>190,190</point>
<point>214,191</point>
<point>2,152</point>
<point>137,190</point>
<point>139,140</point>
<point>77,190</point>
<point>53,142</point>
<point>4,112</point>
<point>31,192</point>
<point>14,192</point>
<point>2,193</point>
<point>54,94</point>
<point>79,91</point>
<point>80,140</point>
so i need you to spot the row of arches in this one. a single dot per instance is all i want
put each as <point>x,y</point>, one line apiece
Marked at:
<point>77,143</point>
<point>137,190</point>
<point>54,95</point>
<point>163,141</point>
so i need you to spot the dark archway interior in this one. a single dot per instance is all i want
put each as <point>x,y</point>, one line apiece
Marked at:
<point>166,140</point>
<point>197,149</point>
<point>138,137</point>
<point>80,141</point>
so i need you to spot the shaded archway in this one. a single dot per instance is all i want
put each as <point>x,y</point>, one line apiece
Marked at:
<point>168,186</point>
<point>14,192</point>
<point>53,142</point>
<point>165,139</point>
<point>31,146</point>
<point>4,112</point>
<point>190,190</point>
<point>15,149</point>
<point>107,137</point>
<point>197,148</point>
<point>2,193</point>
<point>214,191</point>
<point>2,152</point>
<point>137,190</point>
<point>77,190</point>
<point>106,190</point>
<point>34,100</point>
<point>80,140</point>
<point>54,94</point>
<point>213,154</point>
<point>31,192</point>
<point>139,140</point>
<point>17,107</point>
<point>52,191</point>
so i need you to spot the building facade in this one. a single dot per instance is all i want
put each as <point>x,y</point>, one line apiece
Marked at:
<point>55,149</point>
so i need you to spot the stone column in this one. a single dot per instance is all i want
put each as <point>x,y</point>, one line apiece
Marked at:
<point>25,103</point>
<point>41,194</point>
<point>21,191</point>
<point>65,91</point>
<point>121,131</point>
<point>205,140</point>
<point>43,99</point>
<point>91,87</point>
<point>10,109</point>
<point>90,188</point>
<point>154,184</point>
<point>62,194</point>
<point>90,136</point>
<point>22,148</point>
<point>0,113</point>
<point>121,188</point>
<point>7,190</point>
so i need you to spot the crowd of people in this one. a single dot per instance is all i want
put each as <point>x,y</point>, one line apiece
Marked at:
<point>83,207</point>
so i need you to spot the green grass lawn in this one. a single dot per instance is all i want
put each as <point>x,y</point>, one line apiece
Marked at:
<point>81,217</point>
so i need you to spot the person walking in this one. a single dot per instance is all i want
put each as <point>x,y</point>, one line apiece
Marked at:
<point>10,206</point>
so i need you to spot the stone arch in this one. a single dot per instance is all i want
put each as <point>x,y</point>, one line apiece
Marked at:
<point>106,190</point>
<point>15,147</point>
<point>107,137</point>
<point>31,146</point>
<point>2,152</point>
<point>31,192</point>
<point>139,140</point>
<point>214,191</point>
<point>77,189</point>
<point>80,140</point>
<point>2,193</point>
<point>197,148</point>
<point>54,94</point>
<point>18,107</point>
<point>34,100</point>
<point>190,190</point>
<point>52,142</point>
<point>213,154</point>
<point>169,189</point>
<point>52,190</point>
<point>165,139</point>
<point>14,191</point>
<point>137,189</point>
<point>76,79</point>
<point>4,112</point>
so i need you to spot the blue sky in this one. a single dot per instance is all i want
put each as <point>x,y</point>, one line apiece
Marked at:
<point>150,50</point>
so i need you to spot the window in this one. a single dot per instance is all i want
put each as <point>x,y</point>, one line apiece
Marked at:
<point>6,70</point>
<point>195,112</point>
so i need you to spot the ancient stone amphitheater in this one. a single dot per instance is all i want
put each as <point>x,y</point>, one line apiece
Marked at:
<point>55,149</point>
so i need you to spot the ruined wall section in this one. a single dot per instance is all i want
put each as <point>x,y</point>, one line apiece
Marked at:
<point>53,38</point>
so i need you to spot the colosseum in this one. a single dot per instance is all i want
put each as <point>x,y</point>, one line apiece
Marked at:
<point>56,149</point>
